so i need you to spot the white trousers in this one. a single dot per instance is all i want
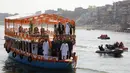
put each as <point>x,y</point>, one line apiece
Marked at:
<point>64,57</point>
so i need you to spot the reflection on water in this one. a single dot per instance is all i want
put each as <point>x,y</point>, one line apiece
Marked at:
<point>109,55</point>
<point>12,66</point>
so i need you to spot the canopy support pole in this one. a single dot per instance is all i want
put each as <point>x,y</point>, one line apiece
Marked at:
<point>5,25</point>
<point>47,27</point>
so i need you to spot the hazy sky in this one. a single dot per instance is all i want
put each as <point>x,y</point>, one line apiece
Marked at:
<point>31,6</point>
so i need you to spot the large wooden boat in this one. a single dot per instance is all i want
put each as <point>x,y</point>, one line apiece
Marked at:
<point>24,41</point>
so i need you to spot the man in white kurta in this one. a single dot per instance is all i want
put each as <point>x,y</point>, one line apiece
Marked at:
<point>45,48</point>
<point>67,29</point>
<point>64,50</point>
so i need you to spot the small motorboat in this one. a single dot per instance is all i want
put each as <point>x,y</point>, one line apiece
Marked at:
<point>115,52</point>
<point>124,48</point>
<point>110,50</point>
<point>104,36</point>
<point>115,49</point>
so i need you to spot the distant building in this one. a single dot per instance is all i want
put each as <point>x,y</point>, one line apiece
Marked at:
<point>38,12</point>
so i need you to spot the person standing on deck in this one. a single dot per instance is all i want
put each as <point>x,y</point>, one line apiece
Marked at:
<point>63,28</point>
<point>55,29</point>
<point>40,50</point>
<point>64,50</point>
<point>70,29</point>
<point>70,45</point>
<point>59,43</point>
<point>34,48</point>
<point>45,48</point>
<point>20,29</point>
<point>67,29</point>
<point>59,28</point>
<point>54,47</point>
<point>36,31</point>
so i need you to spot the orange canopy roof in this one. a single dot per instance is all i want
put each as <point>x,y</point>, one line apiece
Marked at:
<point>38,19</point>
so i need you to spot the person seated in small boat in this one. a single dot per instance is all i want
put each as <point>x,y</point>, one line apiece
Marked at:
<point>121,45</point>
<point>116,45</point>
<point>110,47</point>
<point>45,48</point>
<point>64,50</point>
<point>36,31</point>
<point>101,48</point>
<point>104,36</point>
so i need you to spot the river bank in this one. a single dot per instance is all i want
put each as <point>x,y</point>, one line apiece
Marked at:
<point>1,22</point>
<point>115,27</point>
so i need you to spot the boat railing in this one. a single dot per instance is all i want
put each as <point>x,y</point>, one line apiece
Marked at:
<point>39,57</point>
<point>37,37</point>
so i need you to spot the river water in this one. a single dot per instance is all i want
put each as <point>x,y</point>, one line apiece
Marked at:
<point>88,61</point>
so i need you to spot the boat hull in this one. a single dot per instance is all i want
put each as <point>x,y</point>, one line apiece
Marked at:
<point>107,38</point>
<point>44,64</point>
<point>115,53</point>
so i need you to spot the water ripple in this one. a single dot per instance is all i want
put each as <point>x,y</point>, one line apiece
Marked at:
<point>91,70</point>
<point>81,46</point>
